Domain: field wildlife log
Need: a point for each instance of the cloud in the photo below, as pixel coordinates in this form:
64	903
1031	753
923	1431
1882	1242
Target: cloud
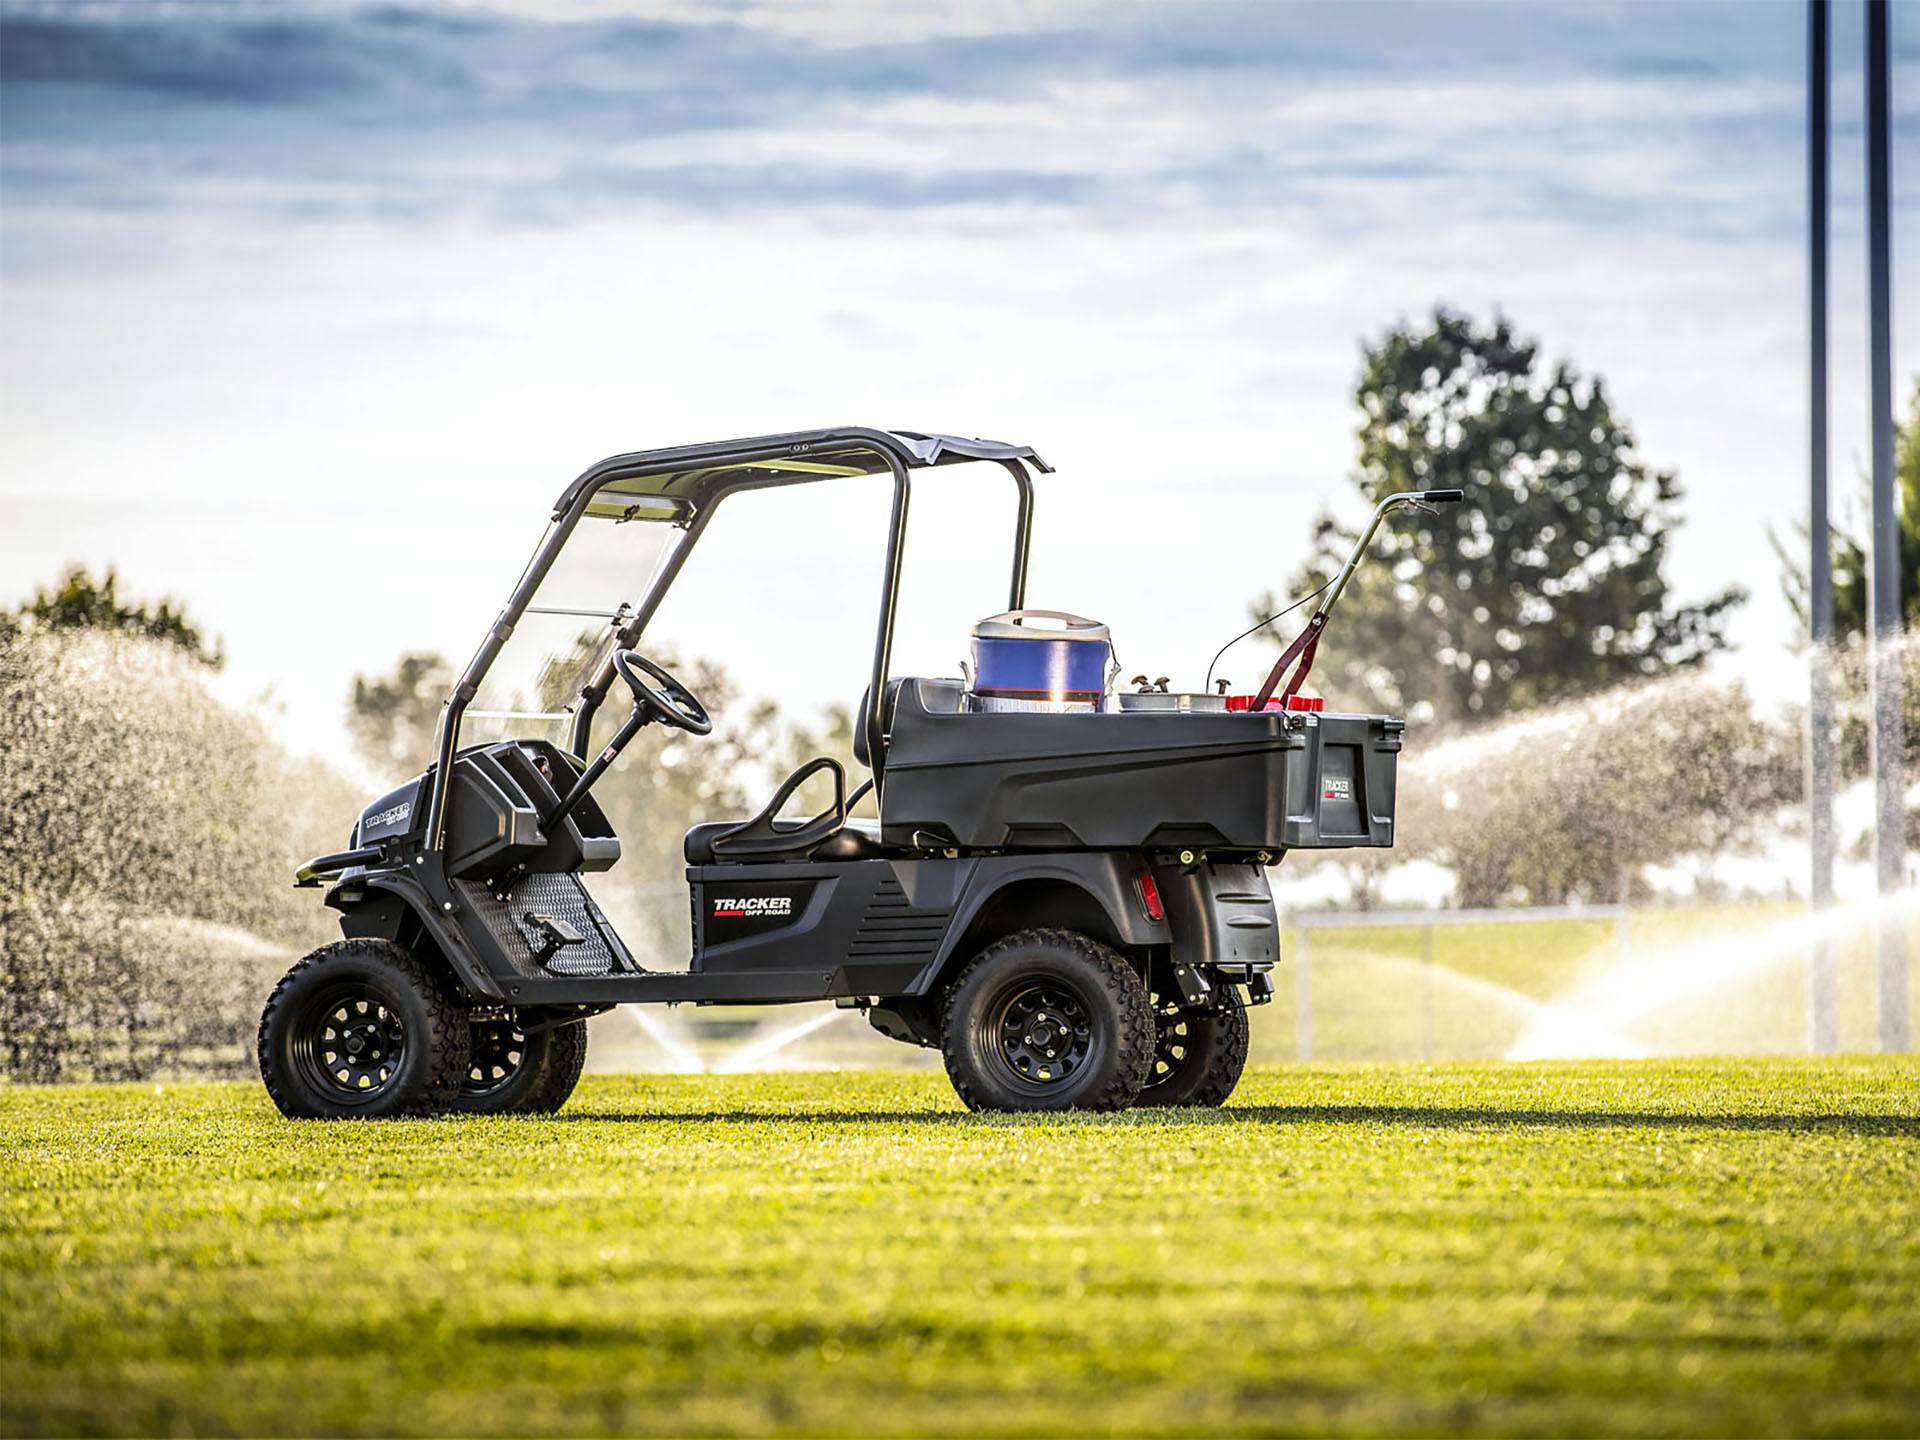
183	89
290	61
405	115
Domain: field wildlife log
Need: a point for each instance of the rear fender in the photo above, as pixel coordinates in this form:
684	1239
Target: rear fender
1094	893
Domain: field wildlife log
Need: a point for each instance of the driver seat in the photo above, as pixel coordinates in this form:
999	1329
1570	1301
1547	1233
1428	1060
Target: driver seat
766	838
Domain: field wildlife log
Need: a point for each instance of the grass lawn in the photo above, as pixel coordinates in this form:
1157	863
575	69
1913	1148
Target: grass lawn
1705	1246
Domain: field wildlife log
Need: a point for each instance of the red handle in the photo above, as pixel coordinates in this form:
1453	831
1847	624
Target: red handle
1303	646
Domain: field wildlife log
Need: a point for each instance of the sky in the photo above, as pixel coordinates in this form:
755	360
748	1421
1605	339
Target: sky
307	312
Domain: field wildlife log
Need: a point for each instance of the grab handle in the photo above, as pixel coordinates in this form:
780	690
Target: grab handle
1020	617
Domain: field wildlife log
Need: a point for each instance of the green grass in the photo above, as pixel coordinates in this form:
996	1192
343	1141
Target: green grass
1710	1247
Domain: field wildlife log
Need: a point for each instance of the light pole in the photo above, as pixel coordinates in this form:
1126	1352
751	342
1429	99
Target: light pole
1823	1031
1887	742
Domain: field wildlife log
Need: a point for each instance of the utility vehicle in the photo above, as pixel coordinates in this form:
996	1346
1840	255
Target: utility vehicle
1072	907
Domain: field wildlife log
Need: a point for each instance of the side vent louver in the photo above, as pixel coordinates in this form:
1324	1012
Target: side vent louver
894	929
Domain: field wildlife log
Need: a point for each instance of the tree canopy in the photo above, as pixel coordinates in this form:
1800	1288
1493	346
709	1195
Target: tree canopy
80	602
393	719
1548	582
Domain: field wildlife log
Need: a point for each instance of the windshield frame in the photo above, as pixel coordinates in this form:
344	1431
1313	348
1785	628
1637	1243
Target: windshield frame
707	476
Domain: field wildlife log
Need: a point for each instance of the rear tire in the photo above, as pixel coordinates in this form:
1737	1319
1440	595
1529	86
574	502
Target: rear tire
360	1029
512	1072
1197	1055
1047	1020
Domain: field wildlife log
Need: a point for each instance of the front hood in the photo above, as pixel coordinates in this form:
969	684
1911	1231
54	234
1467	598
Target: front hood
394	813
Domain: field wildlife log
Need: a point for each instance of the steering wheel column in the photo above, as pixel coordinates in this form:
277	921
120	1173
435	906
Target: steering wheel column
666	701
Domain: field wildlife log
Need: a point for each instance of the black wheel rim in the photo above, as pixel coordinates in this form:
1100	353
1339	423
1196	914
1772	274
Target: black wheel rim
499	1049
1041	1034
1172	1040
350	1044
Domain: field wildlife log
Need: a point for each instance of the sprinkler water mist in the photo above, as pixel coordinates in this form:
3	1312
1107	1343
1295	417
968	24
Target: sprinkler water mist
1308	640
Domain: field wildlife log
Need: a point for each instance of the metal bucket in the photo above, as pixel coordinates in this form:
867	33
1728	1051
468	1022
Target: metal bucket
1059	666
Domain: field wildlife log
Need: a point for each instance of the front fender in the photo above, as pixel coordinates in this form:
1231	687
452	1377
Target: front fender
394	906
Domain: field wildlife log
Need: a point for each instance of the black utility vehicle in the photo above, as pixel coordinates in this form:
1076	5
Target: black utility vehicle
1072	907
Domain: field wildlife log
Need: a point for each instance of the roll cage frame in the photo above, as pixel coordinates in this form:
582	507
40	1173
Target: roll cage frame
684	486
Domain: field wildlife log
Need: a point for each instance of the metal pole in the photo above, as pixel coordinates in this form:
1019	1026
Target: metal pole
1022	534
1889	837
874	718
1822	978
1303	1022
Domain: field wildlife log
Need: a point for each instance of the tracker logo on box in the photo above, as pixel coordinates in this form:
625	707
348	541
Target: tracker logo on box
1338	787
755	907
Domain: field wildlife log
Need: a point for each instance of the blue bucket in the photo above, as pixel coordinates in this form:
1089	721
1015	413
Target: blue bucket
1058	664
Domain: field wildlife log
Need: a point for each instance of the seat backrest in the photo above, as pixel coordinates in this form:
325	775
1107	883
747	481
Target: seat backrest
861	750
942	695
764	834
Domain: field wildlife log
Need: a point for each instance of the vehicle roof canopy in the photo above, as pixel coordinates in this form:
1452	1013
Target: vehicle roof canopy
670	484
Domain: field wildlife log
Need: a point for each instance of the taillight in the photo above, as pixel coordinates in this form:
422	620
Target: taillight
1149	896
1292	702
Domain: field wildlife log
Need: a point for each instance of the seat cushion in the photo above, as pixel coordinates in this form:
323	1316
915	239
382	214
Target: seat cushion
856	840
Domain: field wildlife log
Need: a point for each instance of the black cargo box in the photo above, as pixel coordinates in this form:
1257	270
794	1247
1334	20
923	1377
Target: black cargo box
1133	780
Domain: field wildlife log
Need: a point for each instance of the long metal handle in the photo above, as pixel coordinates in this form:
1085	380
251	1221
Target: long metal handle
1307	641
1392	502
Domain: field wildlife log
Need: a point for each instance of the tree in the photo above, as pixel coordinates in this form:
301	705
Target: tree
1547	582
393	719
81	602
1850	560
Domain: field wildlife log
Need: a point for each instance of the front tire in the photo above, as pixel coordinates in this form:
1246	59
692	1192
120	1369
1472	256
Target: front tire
360	1029
1198	1055
1047	1020
511	1071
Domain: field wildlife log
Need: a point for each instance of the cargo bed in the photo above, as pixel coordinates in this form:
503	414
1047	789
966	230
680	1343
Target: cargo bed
1133	780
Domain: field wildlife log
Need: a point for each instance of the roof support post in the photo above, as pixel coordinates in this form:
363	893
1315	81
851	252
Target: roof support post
874	720
1022	535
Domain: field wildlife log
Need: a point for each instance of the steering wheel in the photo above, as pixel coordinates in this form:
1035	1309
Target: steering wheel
672	703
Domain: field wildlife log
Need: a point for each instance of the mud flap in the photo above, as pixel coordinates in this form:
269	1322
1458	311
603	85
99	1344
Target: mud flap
1221	915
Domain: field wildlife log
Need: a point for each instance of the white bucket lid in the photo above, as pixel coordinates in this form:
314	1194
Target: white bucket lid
1017	625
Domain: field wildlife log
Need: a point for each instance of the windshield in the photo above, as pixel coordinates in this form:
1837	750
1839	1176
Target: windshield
600	576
